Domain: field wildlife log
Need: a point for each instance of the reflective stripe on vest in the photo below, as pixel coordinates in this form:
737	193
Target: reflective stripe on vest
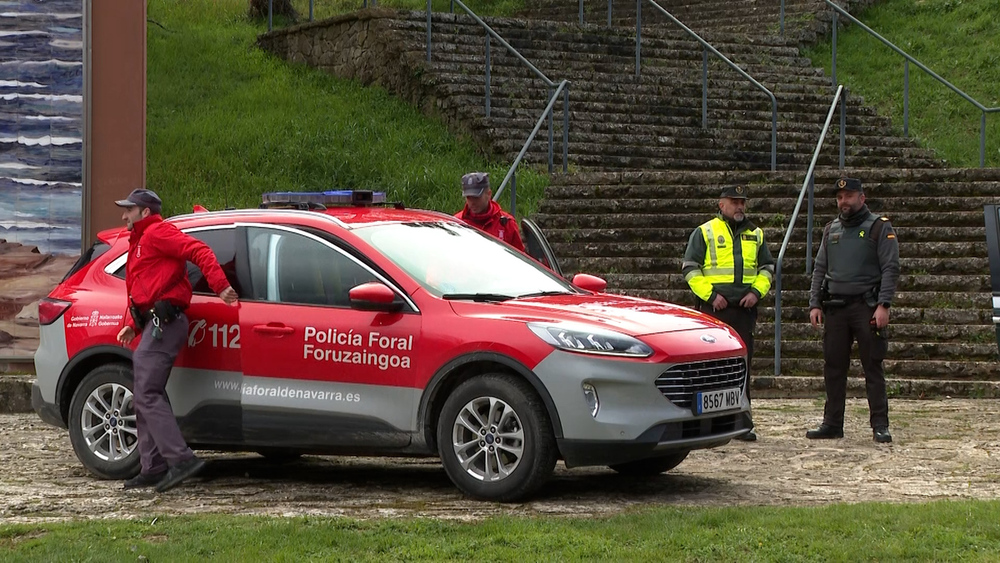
720	261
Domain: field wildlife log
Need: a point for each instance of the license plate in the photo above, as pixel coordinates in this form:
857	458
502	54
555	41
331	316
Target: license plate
718	400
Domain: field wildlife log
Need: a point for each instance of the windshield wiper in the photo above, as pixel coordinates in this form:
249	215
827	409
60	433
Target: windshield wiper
544	293
480	297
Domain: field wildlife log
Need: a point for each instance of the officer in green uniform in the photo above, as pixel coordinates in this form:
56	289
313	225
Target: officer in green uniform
853	284
729	268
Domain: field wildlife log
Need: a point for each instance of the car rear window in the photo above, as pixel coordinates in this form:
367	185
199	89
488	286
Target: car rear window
92	253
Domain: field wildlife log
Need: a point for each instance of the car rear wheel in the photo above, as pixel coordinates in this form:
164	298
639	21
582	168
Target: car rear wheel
102	424
651	466
495	438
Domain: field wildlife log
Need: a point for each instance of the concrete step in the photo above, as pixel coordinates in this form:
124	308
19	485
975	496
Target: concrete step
900	206
565	187
933	180
691	220
676	247
978	301
901	332
797	280
677	120
663	265
774	235
746	160
952	370
677	128
898	350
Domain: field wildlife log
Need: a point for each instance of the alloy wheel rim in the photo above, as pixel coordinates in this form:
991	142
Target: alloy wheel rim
488	439
108	423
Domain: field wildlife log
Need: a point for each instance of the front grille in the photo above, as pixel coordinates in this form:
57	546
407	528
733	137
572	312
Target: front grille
682	381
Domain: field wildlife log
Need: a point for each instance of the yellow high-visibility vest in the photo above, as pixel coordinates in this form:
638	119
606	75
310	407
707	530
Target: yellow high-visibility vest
719	264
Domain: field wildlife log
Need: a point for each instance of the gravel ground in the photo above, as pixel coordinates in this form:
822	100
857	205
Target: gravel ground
945	448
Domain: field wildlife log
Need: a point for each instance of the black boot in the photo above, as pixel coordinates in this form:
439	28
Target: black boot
144	480
181	471
825	432
881	435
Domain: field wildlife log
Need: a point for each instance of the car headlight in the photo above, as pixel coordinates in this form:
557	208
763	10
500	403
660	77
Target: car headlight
590	340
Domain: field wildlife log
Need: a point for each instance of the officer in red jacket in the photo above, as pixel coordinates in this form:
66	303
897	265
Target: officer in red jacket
159	292
485	214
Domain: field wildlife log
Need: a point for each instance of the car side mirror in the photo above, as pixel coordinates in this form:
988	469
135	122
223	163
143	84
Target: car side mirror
590	283
374	296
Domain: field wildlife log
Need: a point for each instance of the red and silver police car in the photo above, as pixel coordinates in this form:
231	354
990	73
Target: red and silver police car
376	330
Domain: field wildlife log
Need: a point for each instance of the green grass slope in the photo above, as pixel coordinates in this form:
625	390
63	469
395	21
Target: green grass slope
227	122
957	39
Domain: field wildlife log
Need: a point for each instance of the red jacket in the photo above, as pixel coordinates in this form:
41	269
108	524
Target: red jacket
158	253
496	222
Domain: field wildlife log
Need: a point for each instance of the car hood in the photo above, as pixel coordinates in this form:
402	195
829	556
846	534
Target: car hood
629	315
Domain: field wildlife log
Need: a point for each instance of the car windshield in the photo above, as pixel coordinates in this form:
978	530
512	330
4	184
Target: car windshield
458	262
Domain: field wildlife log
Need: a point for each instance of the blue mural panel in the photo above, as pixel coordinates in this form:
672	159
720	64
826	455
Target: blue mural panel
41	151
41	123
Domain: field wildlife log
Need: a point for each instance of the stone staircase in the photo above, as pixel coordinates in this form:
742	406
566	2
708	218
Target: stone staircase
619	121
805	20
632	228
646	173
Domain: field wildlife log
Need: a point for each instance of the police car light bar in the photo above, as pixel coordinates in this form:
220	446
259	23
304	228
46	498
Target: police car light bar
310	200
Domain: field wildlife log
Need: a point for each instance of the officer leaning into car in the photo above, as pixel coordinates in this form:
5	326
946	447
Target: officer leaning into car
729	268
853	283
159	292
483	213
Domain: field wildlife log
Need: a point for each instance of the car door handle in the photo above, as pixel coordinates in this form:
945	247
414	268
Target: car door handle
273	329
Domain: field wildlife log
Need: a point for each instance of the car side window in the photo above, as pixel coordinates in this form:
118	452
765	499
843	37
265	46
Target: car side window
223	245
290	267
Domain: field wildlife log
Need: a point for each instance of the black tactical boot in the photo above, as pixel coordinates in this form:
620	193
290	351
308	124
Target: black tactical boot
881	435
825	432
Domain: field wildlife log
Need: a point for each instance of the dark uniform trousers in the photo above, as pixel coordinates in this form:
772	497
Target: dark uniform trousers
160	440
743	321
844	325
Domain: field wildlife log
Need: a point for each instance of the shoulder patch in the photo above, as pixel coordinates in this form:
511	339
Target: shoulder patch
884	218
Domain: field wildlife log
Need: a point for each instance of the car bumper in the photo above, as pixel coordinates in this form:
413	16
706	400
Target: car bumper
48	412
662	439
634	420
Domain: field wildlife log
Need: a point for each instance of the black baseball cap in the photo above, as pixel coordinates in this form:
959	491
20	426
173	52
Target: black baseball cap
142	198
475	183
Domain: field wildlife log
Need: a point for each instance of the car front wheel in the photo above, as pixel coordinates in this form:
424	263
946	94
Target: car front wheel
102	424
651	466
495	438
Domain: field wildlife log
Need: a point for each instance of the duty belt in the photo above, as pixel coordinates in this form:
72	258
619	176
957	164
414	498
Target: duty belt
161	313
848	298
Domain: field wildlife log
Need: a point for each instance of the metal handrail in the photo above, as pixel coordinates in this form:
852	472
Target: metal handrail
906	75
270	11
546	113
610	2
704	77
490	33
807	185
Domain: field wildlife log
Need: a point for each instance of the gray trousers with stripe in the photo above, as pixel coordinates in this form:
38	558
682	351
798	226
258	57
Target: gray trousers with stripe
160	441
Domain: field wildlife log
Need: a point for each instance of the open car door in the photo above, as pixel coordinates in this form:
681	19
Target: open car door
993	250
537	247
